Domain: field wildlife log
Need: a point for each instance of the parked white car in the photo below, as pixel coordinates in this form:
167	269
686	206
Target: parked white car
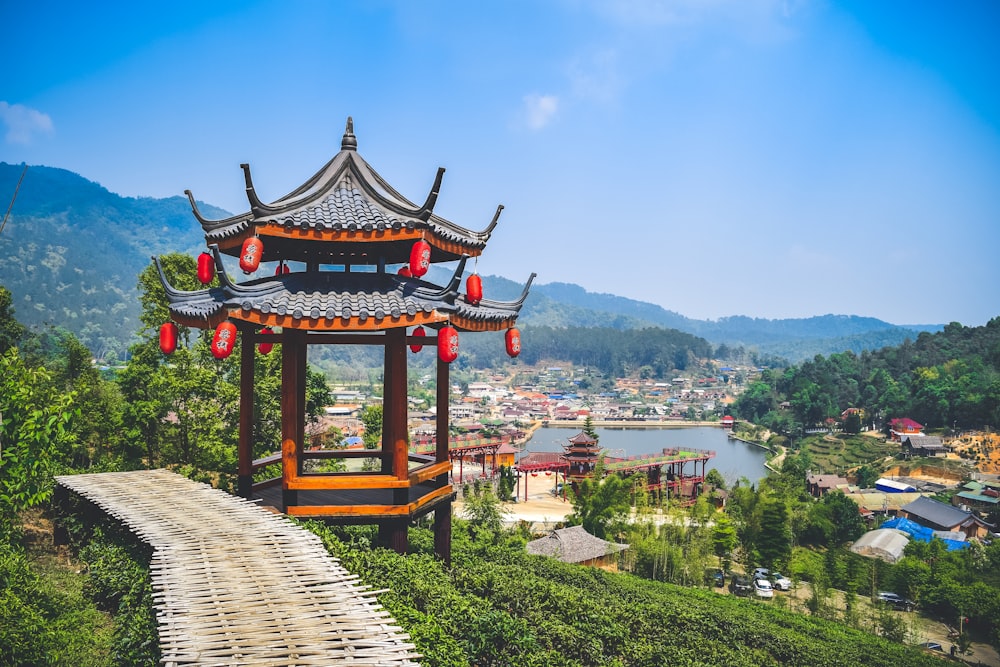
781	582
762	587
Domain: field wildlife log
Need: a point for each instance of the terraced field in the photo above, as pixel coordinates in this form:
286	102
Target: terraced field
833	453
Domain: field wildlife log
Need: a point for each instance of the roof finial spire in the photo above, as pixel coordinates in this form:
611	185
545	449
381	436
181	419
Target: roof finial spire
349	142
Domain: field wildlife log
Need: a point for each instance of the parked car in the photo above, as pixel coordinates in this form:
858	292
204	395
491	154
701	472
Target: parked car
781	582
740	586
762	572
932	646
719	578
897	602
762	587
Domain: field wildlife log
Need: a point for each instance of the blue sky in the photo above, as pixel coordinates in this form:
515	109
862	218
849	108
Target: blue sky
716	157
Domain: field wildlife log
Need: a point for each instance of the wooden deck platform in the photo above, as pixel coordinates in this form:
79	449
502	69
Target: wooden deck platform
234	584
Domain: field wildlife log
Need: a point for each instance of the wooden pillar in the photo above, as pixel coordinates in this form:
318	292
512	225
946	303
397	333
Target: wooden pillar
442	533
395	404
443	398
292	354
395	449
442	515
244	447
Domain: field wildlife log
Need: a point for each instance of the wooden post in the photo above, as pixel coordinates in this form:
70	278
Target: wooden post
395	449
442	515
244	447
290	429
395	404
442	533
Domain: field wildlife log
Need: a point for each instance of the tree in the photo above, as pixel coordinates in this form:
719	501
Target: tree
11	330
588	428
845	517
715	478
774	540
866	476
371	417
34	431
852	424
484	511
600	504
724	540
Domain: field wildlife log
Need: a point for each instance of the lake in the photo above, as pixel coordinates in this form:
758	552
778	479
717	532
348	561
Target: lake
734	459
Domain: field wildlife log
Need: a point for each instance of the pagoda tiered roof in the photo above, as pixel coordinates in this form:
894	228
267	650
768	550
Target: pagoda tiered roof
337	300
351	220
346	213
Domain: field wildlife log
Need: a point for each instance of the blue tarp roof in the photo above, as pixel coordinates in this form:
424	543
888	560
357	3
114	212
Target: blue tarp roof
921	533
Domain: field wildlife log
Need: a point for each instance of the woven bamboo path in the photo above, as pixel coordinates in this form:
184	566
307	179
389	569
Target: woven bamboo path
234	584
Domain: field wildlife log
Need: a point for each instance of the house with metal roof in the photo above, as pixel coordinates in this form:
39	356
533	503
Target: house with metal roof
978	494
940	516
904	426
922	445
819	485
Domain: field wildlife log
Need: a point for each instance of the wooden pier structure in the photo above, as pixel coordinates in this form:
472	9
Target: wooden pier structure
664	472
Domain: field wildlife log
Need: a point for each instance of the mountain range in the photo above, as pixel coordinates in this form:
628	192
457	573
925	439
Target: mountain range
71	253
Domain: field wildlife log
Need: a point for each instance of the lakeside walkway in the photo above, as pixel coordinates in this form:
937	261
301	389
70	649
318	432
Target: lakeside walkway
235	584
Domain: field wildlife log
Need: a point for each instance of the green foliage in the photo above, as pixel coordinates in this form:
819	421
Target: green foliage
45	620
724	539
714	478
33	435
945	379
371	417
484	511
499	606
600	504
774	538
612	351
118	581
11	330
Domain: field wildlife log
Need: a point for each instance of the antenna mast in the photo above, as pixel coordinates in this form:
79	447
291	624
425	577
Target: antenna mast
7	214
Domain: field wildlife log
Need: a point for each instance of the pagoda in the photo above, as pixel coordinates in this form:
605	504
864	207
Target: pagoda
350	256
582	454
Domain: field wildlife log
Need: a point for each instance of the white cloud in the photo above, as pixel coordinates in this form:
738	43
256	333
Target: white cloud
597	77
23	123
540	110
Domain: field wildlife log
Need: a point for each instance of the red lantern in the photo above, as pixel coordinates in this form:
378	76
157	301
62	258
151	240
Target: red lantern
206	268
168	337
281	268
404	271
419	331
420	258
447	344
513	340
264	348
474	289
223	340
250	255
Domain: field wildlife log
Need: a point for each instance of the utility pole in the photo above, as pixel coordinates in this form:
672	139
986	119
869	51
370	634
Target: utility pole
7	214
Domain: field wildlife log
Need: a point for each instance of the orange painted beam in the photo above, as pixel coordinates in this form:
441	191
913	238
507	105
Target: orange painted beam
320	482
424	473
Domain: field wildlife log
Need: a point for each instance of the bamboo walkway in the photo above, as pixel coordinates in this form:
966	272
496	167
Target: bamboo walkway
234	584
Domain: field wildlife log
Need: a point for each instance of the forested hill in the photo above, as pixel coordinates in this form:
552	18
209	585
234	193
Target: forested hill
945	379
72	252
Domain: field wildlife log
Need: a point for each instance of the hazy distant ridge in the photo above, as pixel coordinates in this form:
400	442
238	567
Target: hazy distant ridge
72	251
